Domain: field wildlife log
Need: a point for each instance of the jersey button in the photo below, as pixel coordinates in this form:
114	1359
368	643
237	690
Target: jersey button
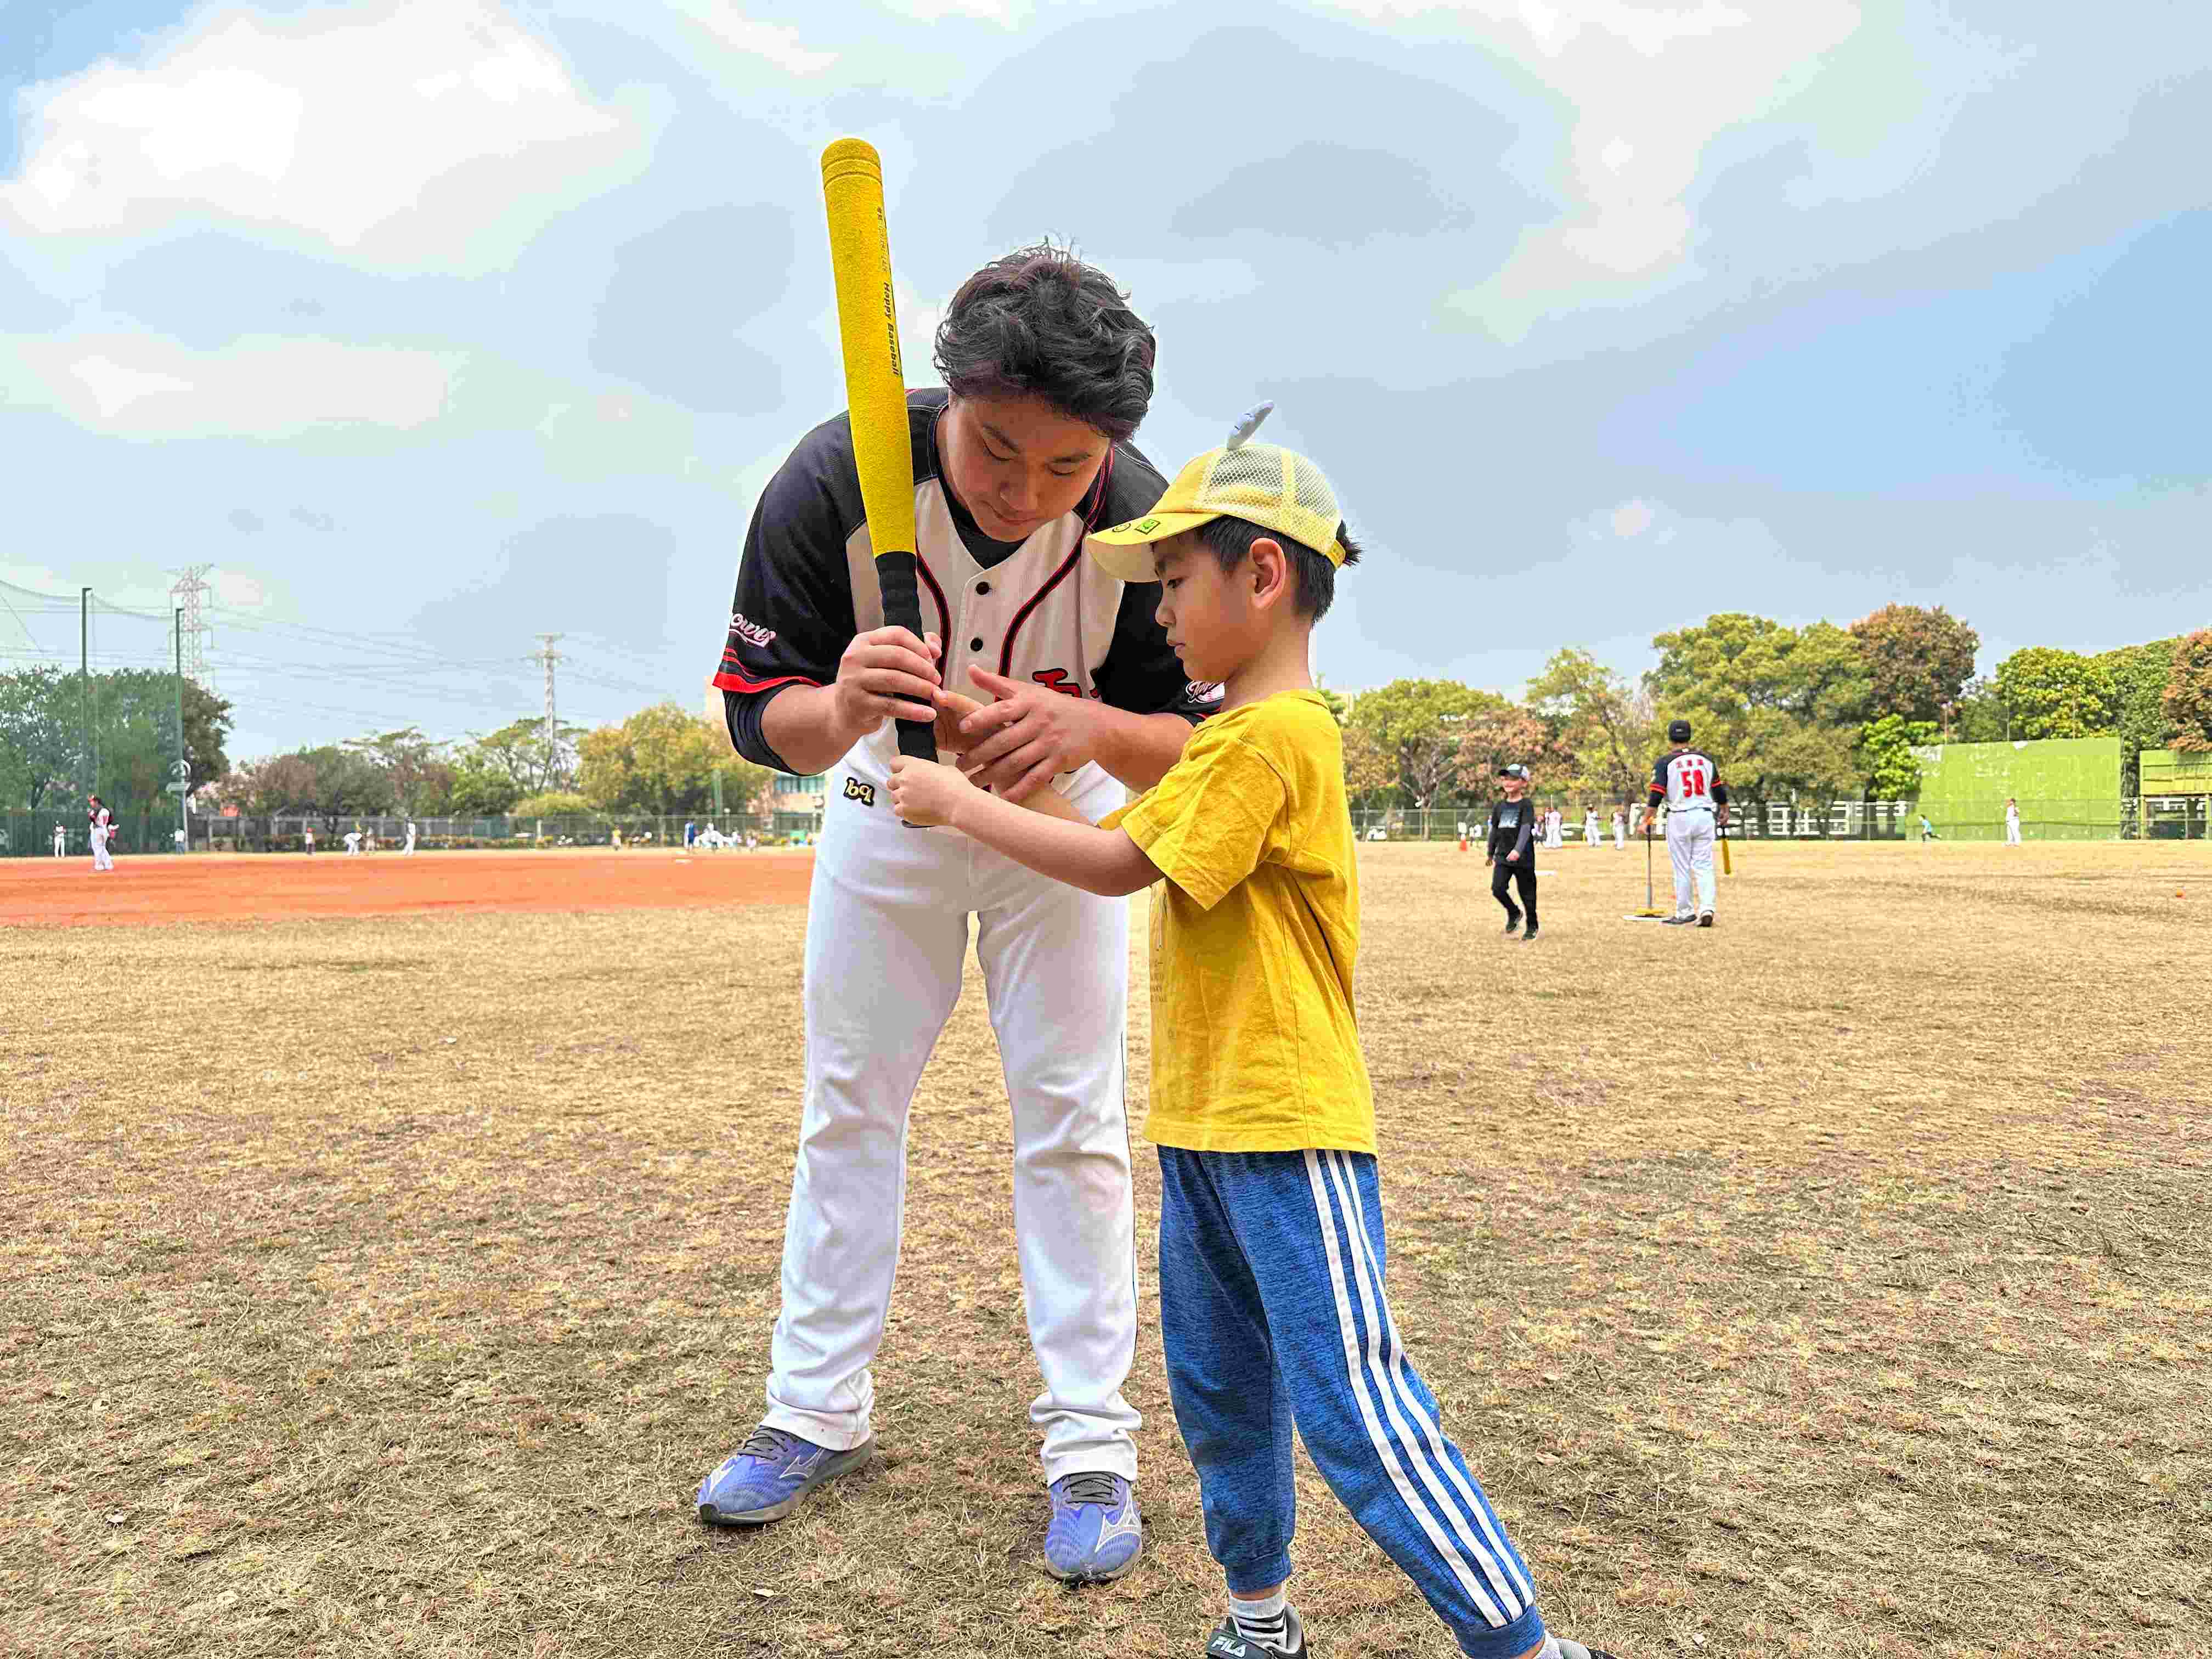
975	645
982	587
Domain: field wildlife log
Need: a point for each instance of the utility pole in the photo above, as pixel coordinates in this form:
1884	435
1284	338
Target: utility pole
545	653
188	592
84	687
183	770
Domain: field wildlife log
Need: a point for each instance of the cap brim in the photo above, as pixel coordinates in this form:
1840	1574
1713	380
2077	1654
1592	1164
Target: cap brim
1125	550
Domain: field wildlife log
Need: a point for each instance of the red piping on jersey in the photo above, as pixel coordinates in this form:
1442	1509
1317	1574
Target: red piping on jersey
1096	505
943	615
730	680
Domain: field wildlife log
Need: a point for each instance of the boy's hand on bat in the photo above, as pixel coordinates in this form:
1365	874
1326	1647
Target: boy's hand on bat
952	710
927	792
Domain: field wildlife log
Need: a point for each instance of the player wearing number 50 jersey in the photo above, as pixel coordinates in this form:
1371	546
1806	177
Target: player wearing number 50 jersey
1047	374
1687	782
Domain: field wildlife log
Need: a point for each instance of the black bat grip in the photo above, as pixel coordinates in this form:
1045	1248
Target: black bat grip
894	577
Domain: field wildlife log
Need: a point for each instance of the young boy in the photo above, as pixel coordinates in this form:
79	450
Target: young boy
1513	850
1271	1227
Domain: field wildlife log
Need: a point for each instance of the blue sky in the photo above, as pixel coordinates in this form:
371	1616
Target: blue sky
436	325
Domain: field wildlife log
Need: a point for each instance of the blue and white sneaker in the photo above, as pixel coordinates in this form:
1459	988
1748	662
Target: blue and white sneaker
1096	1533
765	1477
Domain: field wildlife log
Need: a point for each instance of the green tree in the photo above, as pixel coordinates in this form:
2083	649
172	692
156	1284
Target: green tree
480	787
553	803
2140	673
1608	726
1369	775
1917	659
332	783
2056	694
416	766
1493	738
2188	699
40	743
665	759
1886	759
1339	705
1778	708
1414	724
1978	714
519	752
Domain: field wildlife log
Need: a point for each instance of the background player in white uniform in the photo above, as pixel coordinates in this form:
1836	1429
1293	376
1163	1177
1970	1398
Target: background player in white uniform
2012	822
353	841
1688	784
1050	372
61	841
408	849
1619	830
100	825
1593	834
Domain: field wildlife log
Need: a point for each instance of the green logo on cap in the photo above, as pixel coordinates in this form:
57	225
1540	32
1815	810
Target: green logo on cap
1145	526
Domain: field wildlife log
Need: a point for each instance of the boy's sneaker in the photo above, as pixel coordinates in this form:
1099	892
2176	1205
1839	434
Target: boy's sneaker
1095	1533
764	1478
1227	1641
1705	919
1529	938
1513	928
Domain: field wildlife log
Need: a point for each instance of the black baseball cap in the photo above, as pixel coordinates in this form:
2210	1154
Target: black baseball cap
1513	772
1678	731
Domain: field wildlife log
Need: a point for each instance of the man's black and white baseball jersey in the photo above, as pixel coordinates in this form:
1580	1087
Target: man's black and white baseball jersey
1687	780
1035	610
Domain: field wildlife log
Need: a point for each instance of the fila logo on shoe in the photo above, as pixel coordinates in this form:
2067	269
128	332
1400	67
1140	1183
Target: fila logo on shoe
1229	1647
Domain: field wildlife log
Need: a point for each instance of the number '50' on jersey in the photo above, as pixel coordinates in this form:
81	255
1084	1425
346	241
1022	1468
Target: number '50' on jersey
1687	780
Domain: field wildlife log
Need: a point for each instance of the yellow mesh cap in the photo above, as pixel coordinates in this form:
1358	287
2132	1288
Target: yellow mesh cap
1265	484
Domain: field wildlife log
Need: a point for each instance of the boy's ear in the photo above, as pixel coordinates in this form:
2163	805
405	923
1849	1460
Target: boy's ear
1271	571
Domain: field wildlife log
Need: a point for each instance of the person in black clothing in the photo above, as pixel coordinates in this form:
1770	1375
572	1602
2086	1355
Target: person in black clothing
1512	852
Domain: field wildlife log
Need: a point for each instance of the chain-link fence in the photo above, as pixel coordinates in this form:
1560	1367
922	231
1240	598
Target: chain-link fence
2176	817
149	829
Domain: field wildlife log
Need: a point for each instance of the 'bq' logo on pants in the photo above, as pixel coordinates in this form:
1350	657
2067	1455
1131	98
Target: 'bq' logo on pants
863	793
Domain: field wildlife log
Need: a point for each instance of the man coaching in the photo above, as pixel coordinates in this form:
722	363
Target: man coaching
1049	374
1687	782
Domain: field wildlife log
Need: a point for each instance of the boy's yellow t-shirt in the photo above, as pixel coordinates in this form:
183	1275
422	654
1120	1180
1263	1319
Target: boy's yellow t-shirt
1254	936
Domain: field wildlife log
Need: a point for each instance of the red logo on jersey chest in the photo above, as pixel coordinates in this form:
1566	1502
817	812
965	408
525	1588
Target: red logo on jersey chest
1055	679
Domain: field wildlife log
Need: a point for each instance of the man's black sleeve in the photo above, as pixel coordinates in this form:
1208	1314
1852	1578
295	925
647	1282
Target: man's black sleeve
1658	797
792	616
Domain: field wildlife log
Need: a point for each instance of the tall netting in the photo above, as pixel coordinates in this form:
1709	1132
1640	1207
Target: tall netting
89	701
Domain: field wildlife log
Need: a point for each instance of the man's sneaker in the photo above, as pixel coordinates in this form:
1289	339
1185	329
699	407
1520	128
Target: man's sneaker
1706	920
1679	921
1095	1533
1227	1641
765	1477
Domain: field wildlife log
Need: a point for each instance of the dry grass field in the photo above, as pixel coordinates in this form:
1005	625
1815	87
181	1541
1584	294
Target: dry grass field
1835	1283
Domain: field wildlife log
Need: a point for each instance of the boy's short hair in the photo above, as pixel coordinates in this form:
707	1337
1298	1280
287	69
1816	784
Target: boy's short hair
1041	323
1230	539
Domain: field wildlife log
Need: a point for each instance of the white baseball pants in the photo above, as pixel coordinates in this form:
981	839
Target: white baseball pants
886	939
1690	850
100	858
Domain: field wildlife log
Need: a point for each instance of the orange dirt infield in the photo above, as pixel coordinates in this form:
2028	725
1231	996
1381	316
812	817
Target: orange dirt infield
152	889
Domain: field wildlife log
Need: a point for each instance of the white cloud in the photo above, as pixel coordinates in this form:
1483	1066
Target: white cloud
419	133
775	43
238	590
1631	519
1653	85
141	386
